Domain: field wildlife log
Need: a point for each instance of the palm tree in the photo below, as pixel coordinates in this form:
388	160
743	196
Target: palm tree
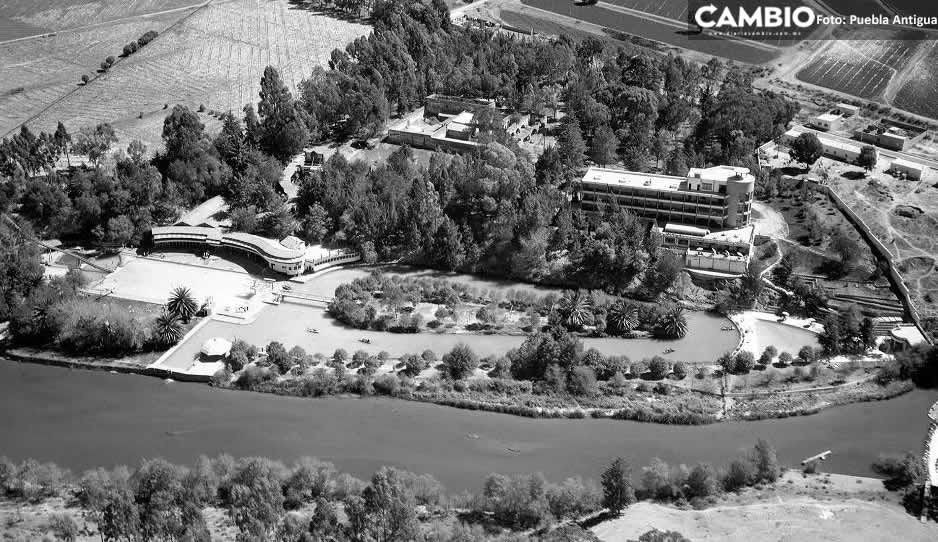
574	308
623	317
672	324
167	329
181	304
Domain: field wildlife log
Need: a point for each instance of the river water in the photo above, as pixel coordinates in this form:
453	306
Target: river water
82	419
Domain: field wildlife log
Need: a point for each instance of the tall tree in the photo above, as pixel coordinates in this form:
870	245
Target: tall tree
283	133
618	493
182	134
63	140
604	145
571	145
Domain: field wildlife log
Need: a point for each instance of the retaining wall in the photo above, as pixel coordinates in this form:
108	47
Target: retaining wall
882	253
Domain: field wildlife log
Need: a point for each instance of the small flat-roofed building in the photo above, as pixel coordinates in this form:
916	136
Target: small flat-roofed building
911	170
726	251
848	110
826	121
832	147
891	134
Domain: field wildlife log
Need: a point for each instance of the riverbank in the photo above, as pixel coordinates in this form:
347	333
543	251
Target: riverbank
85	419
820	507
661	402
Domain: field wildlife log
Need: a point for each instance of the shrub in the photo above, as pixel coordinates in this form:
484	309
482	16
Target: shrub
768	355
221	378
582	381
278	357
785	359
85	79
637	369
900	471
658	368
744	362
679	370
64	527
727	362
252	377
387	384
320	383
765	461
807	354
460	362
702	482
738	475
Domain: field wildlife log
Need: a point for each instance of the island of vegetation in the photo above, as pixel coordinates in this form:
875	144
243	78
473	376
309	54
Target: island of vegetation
498	211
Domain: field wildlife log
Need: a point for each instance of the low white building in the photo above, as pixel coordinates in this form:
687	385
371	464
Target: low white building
832	147
826	121
911	170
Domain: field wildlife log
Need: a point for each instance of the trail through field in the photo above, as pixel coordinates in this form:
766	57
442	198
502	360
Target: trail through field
109	23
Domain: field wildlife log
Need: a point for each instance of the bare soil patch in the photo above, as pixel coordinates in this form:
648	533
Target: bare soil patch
817	507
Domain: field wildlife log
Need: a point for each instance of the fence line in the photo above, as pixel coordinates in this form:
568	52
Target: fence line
881	252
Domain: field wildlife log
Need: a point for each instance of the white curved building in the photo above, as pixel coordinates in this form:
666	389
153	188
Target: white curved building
288	256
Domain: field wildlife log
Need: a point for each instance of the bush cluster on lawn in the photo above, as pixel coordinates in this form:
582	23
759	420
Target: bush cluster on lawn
56	314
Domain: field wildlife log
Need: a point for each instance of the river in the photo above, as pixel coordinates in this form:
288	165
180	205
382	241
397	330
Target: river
81	419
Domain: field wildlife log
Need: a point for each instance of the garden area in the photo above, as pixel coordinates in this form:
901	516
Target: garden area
410	305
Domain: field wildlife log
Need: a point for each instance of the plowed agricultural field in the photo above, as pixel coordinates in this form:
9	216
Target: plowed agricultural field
920	93
213	55
62	14
39	71
862	67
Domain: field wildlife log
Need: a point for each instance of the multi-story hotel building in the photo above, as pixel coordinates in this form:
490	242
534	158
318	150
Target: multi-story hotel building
718	197
705	216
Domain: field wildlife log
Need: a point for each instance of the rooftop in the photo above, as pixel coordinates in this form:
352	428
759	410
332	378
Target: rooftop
908	164
829	117
633	179
720	173
741	235
466	117
827	141
212	212
908	334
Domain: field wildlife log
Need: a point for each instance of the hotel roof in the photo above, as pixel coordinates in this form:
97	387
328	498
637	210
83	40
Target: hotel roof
648	181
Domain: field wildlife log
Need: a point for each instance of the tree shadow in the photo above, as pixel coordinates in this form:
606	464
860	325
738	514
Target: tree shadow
332	12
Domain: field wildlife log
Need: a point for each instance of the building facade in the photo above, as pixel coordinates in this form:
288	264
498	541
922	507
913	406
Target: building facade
704	217
283	257
719	197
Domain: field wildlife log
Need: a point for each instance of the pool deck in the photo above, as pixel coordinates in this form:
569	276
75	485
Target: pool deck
748	323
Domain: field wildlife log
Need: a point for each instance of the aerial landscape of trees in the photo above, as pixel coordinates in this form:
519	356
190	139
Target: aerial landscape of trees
311	500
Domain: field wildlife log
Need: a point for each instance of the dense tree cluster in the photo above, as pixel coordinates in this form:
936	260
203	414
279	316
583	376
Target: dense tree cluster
847	332
312	501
